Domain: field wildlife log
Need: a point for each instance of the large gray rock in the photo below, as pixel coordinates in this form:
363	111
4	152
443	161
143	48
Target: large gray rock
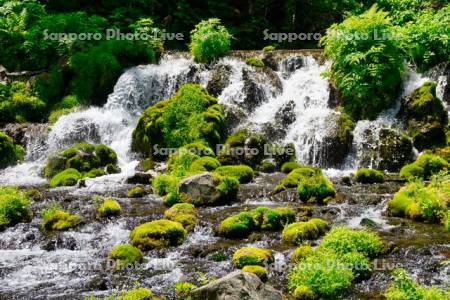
237	285
202	189
220	79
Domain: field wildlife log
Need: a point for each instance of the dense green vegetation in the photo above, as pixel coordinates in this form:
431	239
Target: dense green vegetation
10	153
14	207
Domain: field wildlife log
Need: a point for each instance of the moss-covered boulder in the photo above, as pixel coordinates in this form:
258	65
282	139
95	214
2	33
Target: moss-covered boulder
254	62
183	213
108	208
67	177
424	167
289	166
300	253
260	218
365	175
266	166
422	202
14	207
123	255
310	182
251	256
135	192
56	219
190	115
243	173
298	232
10	153
208	189
157	234
259	271
303	292
426	117
87	159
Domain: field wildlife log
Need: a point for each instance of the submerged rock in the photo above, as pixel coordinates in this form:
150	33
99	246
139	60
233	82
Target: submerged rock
237	285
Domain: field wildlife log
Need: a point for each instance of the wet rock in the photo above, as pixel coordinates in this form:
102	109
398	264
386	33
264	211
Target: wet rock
233	116
22	133
285	116
220	79
140	178
270	60
290	65
201	189
366	222
259	85
237	285
334	99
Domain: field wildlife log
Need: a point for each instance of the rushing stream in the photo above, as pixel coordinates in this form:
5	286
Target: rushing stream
70	264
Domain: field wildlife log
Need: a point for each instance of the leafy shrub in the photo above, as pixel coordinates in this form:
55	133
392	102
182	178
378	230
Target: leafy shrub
56	219
157	234
343	240
251	256
209	40
404	287
298	232
419	202
165	184
109	207
367	71
369	176
10	153
325	275
14	206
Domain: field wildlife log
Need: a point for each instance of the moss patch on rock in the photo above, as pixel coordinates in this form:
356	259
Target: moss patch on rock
10	153
297	233
259	271
424	167
135	192
108	208
190	115
183	213
243	173
252	256
87	159
261	218
56	219
365	175
123	255
157	234
254	62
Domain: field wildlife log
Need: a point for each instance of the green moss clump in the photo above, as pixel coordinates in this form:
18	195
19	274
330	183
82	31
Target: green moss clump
10	153
55	219
369	176
165	184
329	277
124	255
183	289
359	264
68	177
135	192
157	234
268	49
183	213
303	292
204	164
261	218
171	199
259	271
251	256
298	232
404	287
424	167
237	226
209	40
137	294
56	114
423	203
343	240
191	115
87	159
346	126
255	62
289	166
109	207
301	252
315	188
266	166
228	188
14	207
296	175
244	174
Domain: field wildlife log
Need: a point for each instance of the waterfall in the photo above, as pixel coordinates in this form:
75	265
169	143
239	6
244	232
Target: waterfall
289	105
